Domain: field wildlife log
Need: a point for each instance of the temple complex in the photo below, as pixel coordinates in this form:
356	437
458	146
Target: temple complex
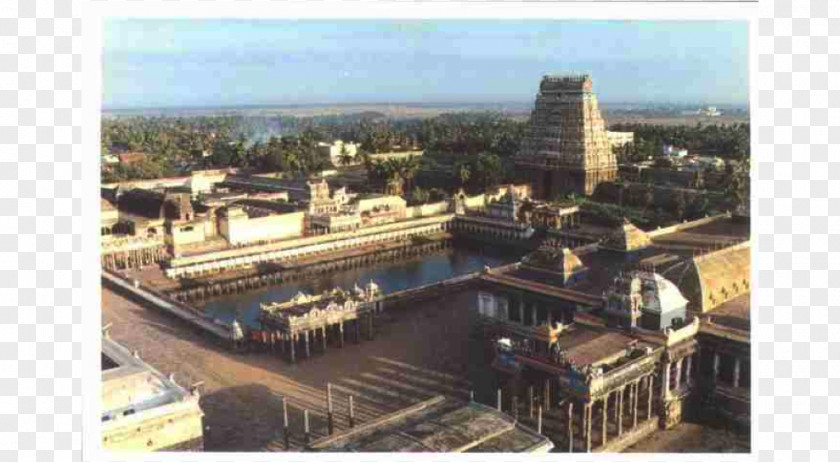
607	340
566	149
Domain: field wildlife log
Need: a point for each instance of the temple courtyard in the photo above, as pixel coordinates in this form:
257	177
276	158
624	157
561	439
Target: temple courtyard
431	349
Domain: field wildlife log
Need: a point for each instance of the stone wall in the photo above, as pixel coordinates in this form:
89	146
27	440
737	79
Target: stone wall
169	427
239	229
426	210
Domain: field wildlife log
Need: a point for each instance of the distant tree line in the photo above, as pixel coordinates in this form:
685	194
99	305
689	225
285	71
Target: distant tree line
176	145
726	141
476	149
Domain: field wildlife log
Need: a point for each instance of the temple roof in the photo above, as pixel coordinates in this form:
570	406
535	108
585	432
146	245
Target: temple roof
142	203
627	237
554	259
654	292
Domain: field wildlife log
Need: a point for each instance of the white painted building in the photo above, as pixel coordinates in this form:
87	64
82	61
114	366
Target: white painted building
335	151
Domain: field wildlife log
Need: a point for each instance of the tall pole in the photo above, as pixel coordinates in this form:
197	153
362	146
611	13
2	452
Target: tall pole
306	427
285	425
350	416
539	420
531	401
547	402
499	400
571	427
329	409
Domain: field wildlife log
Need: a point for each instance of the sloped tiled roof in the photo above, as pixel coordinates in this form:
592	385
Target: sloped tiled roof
626	238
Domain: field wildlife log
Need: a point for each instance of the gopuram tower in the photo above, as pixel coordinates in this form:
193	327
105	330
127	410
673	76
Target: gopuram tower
565	149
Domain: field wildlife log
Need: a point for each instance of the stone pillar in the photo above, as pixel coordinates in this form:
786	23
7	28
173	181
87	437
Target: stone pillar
620	410
370	326
588	415
521	310
531	401
341	334
736	373
534	314
635	403
306	343
324	338
292	339
650	396
615	406
666	381
715	367
582	430
547	397
677	382
604	431
688	369
570	427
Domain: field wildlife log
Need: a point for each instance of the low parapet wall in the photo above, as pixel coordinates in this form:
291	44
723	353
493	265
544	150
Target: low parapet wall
687	225
162	302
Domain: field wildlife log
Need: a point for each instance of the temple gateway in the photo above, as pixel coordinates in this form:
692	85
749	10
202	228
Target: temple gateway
566	149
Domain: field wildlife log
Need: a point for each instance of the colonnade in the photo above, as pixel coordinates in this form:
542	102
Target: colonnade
493	227
736	379
610	415
134	258
245	261
673	379
291	342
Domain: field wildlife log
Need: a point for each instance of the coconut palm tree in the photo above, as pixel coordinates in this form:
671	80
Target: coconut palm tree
344	157
463	172
408	169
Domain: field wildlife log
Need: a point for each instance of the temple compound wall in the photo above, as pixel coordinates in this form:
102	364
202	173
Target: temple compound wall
238	228
566	149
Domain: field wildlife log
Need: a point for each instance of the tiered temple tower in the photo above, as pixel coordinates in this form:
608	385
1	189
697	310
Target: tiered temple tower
566	147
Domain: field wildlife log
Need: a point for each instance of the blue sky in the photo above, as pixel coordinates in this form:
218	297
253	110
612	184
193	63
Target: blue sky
220	62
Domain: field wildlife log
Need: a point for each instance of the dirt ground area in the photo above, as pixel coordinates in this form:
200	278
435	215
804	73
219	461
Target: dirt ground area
695	438
416	354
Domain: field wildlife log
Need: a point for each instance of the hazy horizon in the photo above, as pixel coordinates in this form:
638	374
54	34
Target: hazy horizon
208	64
